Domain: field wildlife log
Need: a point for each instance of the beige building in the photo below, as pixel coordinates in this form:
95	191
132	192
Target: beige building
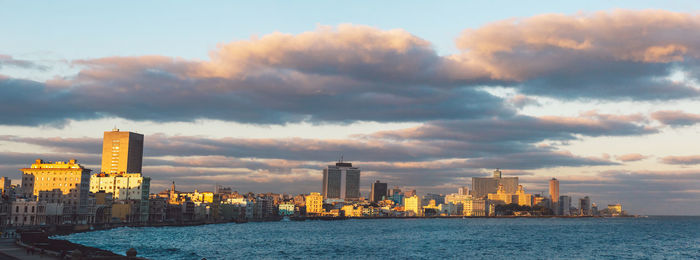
66	183
314	203
124	187
127	186
475	207
413	206
122	152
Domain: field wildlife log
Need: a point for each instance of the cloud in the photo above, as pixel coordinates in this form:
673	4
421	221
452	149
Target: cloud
683	160
605	55
676	118
6	60
350	73
526	129
521	101
632	157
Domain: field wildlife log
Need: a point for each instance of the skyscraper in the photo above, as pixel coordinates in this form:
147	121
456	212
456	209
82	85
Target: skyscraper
483	186
554	190
378	191
554	195
122	152
341	181
584	206
564	205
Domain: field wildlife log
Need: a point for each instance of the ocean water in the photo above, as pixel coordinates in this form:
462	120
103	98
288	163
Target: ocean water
487	238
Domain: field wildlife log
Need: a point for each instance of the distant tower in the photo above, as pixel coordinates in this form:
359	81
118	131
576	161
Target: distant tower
378	191
497	174
341	181
122	152
554	195
554	190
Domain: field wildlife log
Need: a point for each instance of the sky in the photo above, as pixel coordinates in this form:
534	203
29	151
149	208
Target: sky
261	96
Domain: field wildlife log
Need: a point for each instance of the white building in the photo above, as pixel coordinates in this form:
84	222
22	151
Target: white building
124	186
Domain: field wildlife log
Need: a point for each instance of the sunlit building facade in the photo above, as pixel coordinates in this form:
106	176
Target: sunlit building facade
314	203
122	152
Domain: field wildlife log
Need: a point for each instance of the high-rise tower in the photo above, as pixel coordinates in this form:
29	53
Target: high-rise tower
341	181
122	152
554	190
378	191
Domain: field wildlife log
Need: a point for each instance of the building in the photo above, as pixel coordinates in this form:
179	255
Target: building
413	206
122	152
554	195
475	208
341	181
5	185
584	206
59	182
564	205
501	197
314	203
378	191
463	190
615	209
524	199
286	209
438	198
124	186
25	212
483	186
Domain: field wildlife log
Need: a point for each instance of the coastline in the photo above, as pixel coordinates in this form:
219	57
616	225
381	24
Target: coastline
49	241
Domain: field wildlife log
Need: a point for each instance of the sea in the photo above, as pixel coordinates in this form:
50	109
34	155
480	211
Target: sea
437	238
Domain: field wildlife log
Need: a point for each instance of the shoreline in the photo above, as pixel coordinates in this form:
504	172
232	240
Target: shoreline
48	241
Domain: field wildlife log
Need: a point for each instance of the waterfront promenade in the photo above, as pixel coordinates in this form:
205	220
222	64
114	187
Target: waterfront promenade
10	250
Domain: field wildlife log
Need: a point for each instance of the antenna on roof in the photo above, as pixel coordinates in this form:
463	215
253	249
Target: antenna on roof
341	158
115	129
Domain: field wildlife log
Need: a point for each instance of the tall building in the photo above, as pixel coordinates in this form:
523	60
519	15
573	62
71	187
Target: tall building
554	195
341	181
564	205
481	187
58	182
378	191
584	206
122	152
314	203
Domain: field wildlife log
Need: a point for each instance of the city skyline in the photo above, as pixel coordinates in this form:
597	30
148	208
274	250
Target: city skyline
602	97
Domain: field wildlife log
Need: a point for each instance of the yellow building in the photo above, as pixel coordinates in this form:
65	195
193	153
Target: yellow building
314	203
501	197
65	183
352	210
524	199
122	152
69	180
615	208
413	206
